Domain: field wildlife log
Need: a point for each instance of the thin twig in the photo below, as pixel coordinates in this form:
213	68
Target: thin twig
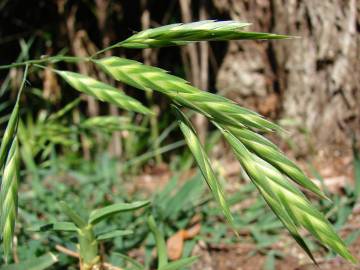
67	251
74	254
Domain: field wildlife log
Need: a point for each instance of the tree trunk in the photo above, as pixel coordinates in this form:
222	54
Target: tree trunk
313	80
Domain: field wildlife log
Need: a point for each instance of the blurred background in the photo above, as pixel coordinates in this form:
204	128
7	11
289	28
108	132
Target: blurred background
309	85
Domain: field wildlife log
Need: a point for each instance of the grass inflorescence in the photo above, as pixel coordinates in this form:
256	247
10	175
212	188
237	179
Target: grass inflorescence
268	168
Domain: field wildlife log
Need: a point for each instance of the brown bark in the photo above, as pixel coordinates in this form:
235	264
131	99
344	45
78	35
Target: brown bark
313	80
195	58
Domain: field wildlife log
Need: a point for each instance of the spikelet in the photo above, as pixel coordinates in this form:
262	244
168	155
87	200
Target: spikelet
182	34
102	91
9	134
270	152
8	197
204	163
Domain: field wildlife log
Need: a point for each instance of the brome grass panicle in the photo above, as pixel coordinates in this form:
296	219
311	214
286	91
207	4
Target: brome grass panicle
263	162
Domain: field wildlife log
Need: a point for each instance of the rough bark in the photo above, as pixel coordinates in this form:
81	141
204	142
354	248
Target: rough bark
314	80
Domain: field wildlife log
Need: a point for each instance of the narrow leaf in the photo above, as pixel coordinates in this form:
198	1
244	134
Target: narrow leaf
100	214
75	217
134	263
113	234
179	264
54	226
160	242
39	263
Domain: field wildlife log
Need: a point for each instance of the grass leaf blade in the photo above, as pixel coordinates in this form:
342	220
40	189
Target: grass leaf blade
99	214
160	242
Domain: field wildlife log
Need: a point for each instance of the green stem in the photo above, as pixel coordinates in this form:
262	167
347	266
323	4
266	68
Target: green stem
50	59
22	84
88	248
104	50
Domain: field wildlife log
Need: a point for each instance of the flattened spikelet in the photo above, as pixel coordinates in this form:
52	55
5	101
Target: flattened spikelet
182	34
8	197
102	91
270	152
9	134
204	163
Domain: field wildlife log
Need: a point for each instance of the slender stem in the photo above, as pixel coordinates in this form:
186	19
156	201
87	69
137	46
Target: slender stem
60	58
26	71
88	248
50	59
105	50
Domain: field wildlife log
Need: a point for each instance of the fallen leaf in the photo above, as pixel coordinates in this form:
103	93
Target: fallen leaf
175	245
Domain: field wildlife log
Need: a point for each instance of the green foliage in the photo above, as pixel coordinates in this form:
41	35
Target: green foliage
38	263
98	215
160	242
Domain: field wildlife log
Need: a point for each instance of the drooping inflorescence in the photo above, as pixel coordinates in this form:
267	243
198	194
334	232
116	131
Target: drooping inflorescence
264	163
261	159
